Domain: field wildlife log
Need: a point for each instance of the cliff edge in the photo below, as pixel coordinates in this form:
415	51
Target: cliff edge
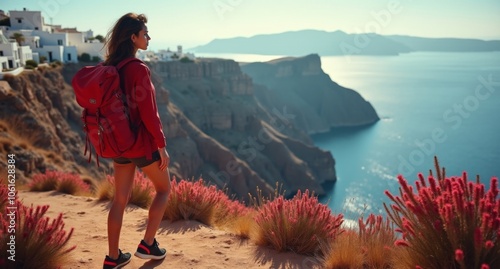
300	85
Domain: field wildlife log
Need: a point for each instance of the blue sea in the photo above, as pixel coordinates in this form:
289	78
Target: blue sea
443	104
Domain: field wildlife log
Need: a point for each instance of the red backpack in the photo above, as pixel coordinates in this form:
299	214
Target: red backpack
105	114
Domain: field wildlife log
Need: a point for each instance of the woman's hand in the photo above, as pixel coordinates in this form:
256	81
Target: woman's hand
165	159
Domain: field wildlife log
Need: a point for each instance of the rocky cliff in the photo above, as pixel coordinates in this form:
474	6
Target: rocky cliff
301	86
216	127
234	141
40	124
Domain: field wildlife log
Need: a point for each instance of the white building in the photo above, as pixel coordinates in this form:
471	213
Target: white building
5	44
165	55
50	41
26	19
55	43
83	42
9	51
25	53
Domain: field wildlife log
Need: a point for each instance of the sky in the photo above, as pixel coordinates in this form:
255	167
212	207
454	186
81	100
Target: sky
196	22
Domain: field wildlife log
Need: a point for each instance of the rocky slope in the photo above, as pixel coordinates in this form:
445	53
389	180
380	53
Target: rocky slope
40	124
300	86
216	127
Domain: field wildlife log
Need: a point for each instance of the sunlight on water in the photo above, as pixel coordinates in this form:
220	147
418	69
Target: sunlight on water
378	170
413	94
350	224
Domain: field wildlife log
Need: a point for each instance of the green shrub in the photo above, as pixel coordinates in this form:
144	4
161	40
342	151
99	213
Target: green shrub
31	63
85	57
185	60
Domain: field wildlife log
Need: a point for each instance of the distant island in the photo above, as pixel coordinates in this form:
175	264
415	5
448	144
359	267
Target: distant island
304	42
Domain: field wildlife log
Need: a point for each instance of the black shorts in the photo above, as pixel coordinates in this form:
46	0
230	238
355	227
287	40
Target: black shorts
139	162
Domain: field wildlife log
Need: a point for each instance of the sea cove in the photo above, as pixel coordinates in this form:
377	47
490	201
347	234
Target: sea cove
444	104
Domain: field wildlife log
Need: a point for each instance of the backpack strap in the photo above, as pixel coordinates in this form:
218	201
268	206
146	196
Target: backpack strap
88	144
124	62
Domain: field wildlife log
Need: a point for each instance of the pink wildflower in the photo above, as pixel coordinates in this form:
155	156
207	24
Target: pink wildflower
401	243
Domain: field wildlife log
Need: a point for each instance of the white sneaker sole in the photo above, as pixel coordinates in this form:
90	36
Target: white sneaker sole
149	257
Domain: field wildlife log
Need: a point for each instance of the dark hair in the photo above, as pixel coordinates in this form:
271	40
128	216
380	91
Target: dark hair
118	43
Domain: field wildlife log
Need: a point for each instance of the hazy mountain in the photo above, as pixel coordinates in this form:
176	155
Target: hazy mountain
446	44
305	42
299	43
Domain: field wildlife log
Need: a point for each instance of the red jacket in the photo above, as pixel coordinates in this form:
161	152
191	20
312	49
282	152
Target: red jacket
135	78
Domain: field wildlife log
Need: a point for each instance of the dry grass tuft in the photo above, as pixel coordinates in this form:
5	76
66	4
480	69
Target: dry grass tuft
105	189
4	198
234	217
344	253
141	195
243	226
371	247
90	182
142	191
377	239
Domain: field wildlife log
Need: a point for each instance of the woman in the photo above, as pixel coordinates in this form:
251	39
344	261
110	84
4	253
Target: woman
128	35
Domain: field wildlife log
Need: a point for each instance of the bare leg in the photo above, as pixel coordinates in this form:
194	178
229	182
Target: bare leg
161	182
124	179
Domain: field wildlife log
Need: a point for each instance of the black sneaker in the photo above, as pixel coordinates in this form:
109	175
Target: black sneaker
150	252
123	259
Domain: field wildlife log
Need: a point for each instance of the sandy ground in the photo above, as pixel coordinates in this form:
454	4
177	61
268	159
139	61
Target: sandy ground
189	244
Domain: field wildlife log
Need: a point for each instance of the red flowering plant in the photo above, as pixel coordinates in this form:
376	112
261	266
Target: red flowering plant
44	181
193	200
301	224
63	182
39	241
447	222
72	184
